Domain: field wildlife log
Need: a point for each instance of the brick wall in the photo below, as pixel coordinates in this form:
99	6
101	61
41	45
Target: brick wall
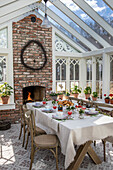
23	31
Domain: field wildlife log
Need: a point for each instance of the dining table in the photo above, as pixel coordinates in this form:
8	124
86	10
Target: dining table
73	131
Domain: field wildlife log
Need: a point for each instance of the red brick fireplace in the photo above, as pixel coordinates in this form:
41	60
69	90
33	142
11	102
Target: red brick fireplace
24	31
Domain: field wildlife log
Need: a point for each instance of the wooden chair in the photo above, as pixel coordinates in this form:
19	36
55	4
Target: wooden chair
37	131
108	139
23	122
42	141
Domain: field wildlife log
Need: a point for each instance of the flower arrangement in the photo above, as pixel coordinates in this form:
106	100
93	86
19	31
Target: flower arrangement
81	113
111	96
106	97
70	108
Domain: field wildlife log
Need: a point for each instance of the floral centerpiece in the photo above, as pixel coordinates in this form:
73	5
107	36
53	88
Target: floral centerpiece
75	91
81	113
107	99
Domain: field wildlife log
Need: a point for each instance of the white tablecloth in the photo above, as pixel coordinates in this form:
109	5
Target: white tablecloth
77	131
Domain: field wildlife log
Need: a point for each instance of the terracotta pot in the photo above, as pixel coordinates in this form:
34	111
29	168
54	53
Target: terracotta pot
106	100
111	101
94	98
87	96
75	95
60	96
5	99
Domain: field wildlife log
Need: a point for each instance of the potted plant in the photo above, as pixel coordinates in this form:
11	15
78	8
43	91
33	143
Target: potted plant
87	92
53	95
111	98
107	99
75	91
5	90
94	96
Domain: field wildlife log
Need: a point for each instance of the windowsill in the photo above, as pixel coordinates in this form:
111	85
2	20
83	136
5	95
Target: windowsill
7	106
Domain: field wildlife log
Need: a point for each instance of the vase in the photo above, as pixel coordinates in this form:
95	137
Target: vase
94	98
111	101
87	96
75	95
106	100
81	116
54	97
5	99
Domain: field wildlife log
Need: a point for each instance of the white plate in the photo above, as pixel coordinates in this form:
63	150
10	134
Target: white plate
62	117
91	113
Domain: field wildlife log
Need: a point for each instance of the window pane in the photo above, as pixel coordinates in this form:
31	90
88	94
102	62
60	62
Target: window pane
111	68
57	71
89	69
63	71
2	69
77	72
3	38
71	71
60	86
99	68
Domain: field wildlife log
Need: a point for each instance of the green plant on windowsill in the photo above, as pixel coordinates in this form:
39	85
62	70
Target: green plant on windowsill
67	94
5	91
45	99
95	94
87	90
76	90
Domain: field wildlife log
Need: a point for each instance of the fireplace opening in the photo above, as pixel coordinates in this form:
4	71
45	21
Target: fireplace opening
33	93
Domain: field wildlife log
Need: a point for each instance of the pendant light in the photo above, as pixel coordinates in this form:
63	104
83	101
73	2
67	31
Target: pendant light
46	23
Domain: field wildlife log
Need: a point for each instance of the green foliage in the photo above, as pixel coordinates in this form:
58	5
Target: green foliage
45	99
67	94
70	108
5	90
76	90
53	102
81	111
87	90
95	94
53	94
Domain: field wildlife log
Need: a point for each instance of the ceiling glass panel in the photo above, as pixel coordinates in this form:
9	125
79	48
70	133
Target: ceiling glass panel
102	9
66	32
75	26
88	20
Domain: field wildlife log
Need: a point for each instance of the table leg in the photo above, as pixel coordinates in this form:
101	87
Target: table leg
80	154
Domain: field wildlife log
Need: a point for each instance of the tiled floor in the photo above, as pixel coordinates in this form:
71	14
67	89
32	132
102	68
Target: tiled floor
14	157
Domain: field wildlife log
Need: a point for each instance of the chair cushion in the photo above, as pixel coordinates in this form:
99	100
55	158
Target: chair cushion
46	141
39	131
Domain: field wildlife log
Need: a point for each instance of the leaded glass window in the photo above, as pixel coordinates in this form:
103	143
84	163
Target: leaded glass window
2	69
3	38
111	74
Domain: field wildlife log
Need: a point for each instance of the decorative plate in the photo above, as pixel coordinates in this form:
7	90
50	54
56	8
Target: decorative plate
62	117
91	113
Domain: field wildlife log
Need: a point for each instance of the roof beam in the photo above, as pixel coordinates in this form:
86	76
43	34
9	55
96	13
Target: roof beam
79	22
6	2
15	6
109	3
68	40
66	26
96	17
65	37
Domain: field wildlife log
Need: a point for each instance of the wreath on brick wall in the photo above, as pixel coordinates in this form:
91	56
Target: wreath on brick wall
34	63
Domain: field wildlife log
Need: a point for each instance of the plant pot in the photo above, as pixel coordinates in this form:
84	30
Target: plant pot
75	95
111	101
94	98
5	99
87	96
60	96
106	100
54	97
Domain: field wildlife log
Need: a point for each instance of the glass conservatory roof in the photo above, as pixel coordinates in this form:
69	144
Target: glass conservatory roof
89	23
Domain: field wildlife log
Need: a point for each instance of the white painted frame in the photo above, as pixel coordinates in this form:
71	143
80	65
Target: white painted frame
8	53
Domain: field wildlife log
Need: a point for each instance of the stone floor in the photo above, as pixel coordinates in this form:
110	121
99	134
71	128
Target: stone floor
14	157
